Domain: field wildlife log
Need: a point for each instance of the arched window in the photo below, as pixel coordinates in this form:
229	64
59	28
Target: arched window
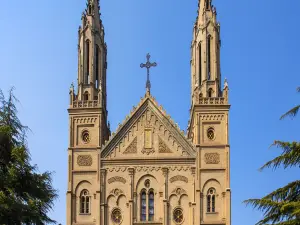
211	200
143	205
85	201
151	206
210	93
87	65
208	57
200	63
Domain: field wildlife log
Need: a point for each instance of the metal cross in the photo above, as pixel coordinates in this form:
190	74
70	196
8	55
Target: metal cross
148	65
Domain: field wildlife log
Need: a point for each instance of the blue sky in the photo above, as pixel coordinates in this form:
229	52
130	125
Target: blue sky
260	59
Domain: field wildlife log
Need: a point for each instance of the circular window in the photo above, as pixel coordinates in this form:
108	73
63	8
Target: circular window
86	136
116	216
178	215
147	183
211	134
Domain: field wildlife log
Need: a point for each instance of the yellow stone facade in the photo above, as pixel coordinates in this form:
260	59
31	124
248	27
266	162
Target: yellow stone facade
149	171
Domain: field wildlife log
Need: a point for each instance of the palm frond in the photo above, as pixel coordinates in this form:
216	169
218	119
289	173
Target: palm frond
289	157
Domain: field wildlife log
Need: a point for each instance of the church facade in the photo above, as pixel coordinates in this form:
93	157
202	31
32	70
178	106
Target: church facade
149	171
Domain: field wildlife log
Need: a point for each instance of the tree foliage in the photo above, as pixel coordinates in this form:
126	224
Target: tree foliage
26	196
282	206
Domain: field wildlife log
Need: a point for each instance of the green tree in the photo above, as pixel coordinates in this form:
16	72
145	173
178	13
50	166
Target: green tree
282	206
26	196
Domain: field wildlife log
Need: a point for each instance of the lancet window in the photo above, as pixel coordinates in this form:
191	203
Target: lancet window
147	206
211	200
85	202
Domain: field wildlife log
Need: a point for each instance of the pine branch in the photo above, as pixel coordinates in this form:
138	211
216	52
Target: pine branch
292	113
288	193
289	157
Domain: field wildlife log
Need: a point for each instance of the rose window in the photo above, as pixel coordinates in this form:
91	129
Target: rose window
116	216
178	216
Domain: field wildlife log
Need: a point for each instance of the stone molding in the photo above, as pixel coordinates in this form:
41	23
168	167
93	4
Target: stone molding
179	178
116	179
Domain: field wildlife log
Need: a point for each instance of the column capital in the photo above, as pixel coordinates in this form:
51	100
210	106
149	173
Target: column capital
165	171
131	171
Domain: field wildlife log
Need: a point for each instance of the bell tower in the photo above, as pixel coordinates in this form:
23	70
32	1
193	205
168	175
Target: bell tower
209	117
88	124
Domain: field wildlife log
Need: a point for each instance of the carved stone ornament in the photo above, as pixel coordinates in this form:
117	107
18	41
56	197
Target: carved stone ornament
179	178
148	151
178	191
116	179
84	160
162	147
116	192
212	158
132	148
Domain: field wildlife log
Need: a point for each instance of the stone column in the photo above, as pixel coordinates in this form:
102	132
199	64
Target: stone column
228	206
201	207
166	199
103	207
135	206
131	200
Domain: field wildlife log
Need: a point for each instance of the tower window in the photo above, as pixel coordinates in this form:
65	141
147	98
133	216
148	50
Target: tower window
200	63
97	66
87	46
208	57
143	206
207	4
211	200
85	201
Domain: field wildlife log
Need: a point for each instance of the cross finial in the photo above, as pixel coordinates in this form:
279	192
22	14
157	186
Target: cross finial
148	65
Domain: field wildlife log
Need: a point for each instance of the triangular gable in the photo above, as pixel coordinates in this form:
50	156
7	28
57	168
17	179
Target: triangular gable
148	132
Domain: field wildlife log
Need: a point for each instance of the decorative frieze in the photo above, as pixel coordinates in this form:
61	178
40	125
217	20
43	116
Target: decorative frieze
116	179
84	160
212	158
179	178
85	120
211	117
